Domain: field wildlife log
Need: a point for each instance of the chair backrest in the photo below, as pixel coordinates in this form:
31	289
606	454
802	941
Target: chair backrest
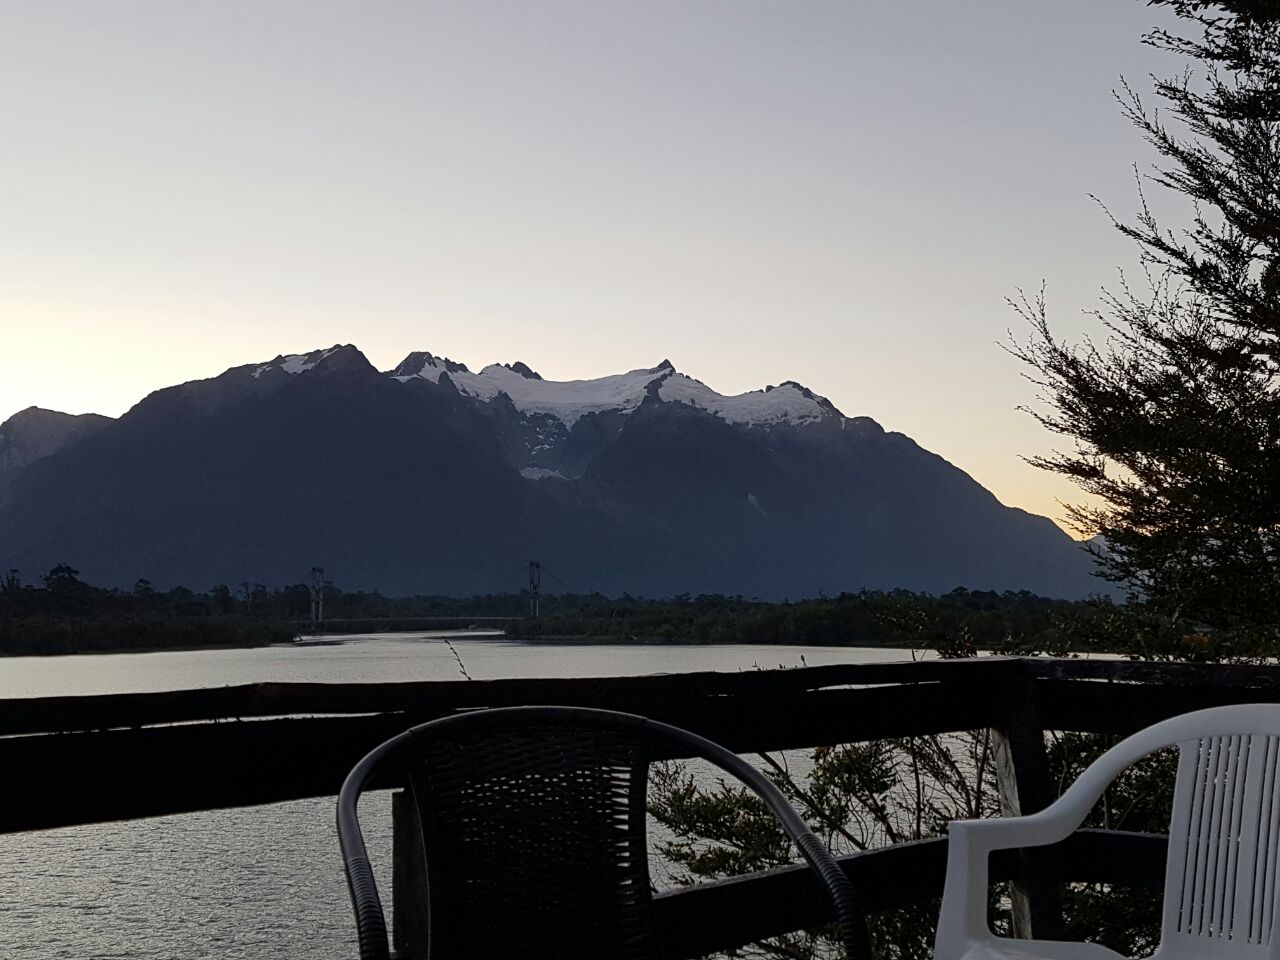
533	824
534	841
1221	885
1224	847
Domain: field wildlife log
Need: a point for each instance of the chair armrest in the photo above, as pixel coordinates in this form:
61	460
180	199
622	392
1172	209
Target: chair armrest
1051	825
371	925
970	842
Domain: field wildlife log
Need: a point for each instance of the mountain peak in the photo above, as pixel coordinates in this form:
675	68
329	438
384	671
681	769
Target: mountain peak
207	396
41	419
339	356
524	370
31	414
808	394
34	433
426	366
569	400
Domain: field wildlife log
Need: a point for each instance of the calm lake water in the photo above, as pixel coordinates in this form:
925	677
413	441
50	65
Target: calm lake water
264	881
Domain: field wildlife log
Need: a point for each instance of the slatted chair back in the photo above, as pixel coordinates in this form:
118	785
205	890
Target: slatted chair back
1224	848
533	825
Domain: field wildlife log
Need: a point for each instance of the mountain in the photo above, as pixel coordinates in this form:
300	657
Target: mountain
431	478
34	433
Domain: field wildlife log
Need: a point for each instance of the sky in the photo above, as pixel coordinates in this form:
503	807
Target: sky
838	193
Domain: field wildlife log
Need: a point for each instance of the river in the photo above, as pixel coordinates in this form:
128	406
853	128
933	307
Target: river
265	881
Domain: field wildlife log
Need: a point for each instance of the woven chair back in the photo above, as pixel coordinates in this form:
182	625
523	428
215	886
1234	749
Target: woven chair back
535	843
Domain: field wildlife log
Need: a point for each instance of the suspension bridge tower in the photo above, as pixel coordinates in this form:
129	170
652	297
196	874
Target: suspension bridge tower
535	588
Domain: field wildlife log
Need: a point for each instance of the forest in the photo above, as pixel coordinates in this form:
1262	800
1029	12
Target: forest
64	614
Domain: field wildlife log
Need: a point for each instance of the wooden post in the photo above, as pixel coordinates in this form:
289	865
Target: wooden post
1022	773
408	881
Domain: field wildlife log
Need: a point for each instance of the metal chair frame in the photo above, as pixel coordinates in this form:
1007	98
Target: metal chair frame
370	920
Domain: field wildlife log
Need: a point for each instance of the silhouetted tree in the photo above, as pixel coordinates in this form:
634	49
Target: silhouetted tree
222	600
1175	415
62	578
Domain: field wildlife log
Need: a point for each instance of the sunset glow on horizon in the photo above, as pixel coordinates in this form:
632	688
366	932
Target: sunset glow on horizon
838	194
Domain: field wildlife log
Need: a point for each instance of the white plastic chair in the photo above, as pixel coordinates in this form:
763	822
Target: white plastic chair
1220	890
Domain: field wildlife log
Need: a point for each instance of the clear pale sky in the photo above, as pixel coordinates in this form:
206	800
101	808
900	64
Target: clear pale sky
840	193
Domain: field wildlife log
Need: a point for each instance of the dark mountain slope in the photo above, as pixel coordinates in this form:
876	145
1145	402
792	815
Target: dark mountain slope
449	482
382	485
715	509
34	433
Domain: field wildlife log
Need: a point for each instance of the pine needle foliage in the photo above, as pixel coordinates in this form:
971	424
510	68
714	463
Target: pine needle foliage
1174	416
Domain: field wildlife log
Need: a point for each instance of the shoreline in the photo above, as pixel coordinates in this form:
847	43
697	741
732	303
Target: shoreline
338	639
569	640
114	651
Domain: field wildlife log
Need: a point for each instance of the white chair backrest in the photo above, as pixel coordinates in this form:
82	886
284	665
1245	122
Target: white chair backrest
1221	884
1224	848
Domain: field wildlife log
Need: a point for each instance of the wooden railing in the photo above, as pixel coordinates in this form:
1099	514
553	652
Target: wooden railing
76	760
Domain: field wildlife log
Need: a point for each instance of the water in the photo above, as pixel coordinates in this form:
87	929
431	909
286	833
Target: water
398	656
264	881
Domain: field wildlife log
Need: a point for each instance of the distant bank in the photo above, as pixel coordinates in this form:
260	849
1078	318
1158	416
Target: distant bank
64	615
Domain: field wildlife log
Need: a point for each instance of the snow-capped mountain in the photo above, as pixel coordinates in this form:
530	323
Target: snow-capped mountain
552	428
433	478
569	401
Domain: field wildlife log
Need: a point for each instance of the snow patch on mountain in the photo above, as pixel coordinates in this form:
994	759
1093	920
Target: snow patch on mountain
540	473
570	400
566	400
421	365
789	402
295	363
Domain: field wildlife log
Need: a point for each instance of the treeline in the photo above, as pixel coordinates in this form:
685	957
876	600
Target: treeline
960	623
66	615
63	614
956	623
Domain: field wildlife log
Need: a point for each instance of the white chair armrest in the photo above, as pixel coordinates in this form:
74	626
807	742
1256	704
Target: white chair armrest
963	922
1051	825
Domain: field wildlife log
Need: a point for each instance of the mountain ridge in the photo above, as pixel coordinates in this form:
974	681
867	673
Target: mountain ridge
646	482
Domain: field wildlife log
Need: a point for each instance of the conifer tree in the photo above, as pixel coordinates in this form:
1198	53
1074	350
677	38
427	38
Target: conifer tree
1173	416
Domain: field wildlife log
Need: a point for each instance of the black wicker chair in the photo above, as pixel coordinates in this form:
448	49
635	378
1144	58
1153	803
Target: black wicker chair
533	822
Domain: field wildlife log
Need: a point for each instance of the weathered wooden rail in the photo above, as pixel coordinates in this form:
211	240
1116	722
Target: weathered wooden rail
75	760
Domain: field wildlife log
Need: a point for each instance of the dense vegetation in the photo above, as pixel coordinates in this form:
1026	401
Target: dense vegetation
67	615
898	618
1172	416
64	614
958	623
